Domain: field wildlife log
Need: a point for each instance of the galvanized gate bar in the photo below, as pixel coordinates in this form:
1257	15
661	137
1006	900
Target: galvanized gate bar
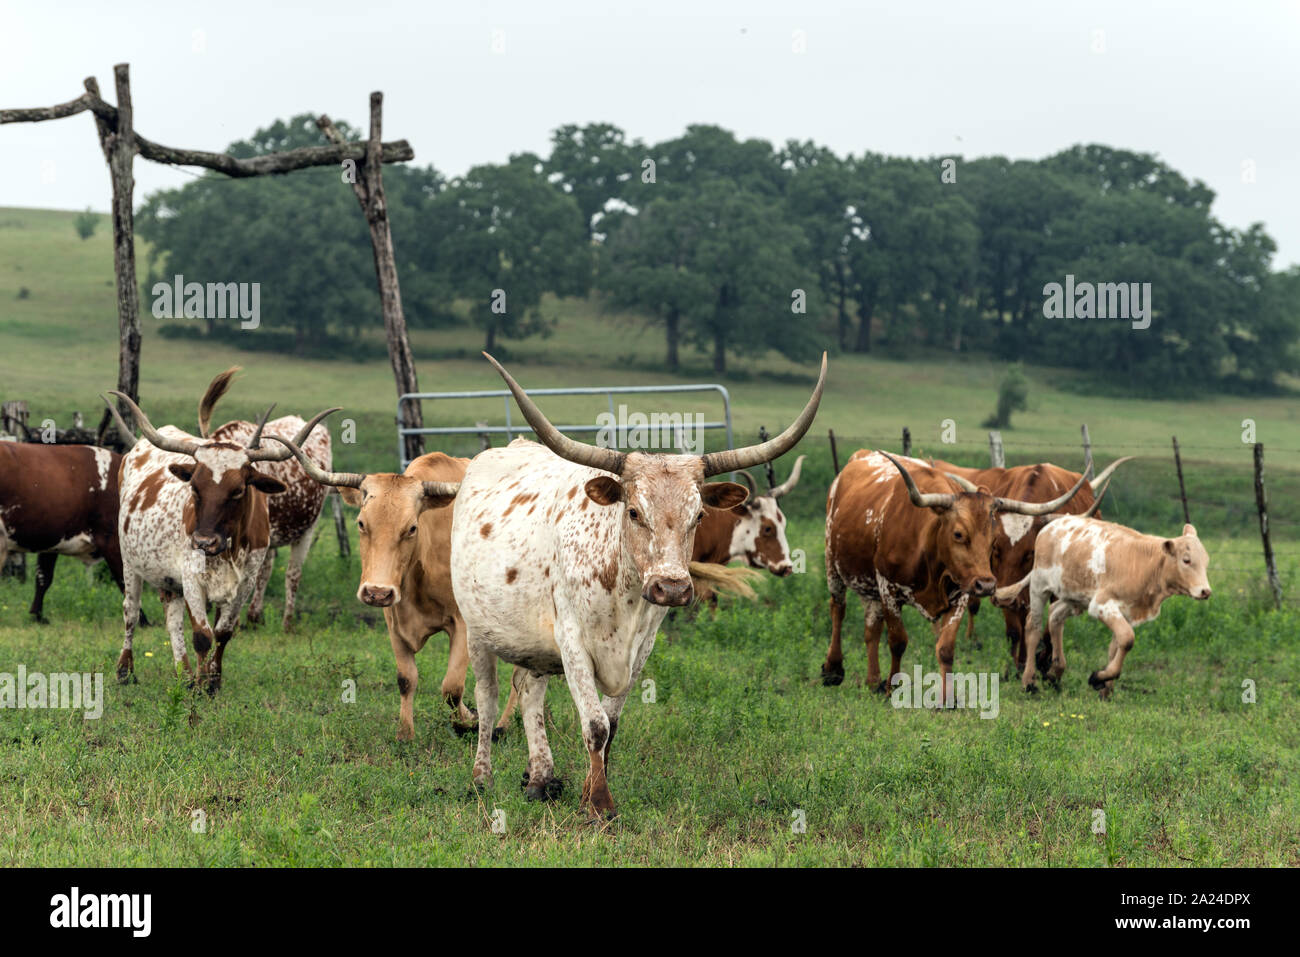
510	430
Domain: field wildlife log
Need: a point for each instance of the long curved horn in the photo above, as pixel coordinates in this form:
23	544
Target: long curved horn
440	489
1046	508
128	436
266	455
788	485
749	483
1099	481
256	440
610	460
922	499
337	479
180	446
966	484
1096	504
733	460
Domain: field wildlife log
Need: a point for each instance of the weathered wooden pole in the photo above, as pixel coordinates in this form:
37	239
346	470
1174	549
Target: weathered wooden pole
1182	489
835	455
369	187
1087	451
907	441
767	466
997	459
1261	503
340	527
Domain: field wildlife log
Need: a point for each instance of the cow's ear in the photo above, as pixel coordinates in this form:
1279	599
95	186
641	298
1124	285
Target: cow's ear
604	490
743	509
1169	547
181	470
265	483
723	494
351	496
1190	530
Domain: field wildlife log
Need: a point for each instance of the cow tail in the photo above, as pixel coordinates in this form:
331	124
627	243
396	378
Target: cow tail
709	578
1007	595
216	389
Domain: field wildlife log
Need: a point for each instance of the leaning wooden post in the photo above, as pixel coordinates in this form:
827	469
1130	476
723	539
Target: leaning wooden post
340	527
369	187
1273	581
996	458
119	146
835	455
1087	451
907	441
1182	489
767	466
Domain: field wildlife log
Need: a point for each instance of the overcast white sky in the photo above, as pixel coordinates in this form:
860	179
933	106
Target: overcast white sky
1209	86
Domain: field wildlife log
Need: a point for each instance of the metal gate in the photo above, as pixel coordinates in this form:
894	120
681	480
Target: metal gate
511	430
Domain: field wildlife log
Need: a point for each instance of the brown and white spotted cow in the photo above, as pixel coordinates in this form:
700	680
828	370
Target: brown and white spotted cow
405	535
753	531
58	500
193	523
1115	574
901	533
1014	536
295	511
565	559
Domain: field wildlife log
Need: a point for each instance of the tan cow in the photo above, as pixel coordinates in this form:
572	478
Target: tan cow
1117	575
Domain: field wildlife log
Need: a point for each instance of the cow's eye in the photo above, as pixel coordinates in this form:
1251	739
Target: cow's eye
769	530
412	530
634	515
361	525
1187	559
699	518
958	536
239	493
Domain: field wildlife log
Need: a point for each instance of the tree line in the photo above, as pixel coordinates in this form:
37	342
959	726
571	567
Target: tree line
737	247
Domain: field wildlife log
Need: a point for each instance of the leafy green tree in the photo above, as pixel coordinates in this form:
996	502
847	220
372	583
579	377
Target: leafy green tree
505	237
85	223
594	164
1013	396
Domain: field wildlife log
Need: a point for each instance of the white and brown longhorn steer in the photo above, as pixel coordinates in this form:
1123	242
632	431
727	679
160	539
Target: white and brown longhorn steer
292	513
753	531
565	560
192	523
1115	574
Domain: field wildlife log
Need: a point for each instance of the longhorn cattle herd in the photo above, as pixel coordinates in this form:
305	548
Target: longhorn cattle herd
563	558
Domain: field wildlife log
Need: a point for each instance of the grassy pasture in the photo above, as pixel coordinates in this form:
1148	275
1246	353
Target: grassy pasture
741	734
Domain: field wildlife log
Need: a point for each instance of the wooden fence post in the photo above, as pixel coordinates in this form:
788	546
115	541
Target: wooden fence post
340	527
835	455
1182	489
13	418
907	441
1273	581
767	466
997	459
1087	451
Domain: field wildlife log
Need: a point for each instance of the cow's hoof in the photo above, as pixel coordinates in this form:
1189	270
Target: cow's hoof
832	676
40	619
882	687
1031	689
550	791
125	677
1095	681
460	730
498	733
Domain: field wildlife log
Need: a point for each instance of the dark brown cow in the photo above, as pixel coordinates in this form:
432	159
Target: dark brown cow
58	500
753	531
1013	542
901	533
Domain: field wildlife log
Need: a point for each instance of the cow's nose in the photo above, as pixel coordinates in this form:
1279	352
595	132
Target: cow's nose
208	544
782	570
667	591
380	596
985	586
1203	593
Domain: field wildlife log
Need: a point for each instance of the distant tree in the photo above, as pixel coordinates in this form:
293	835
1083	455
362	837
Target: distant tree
1013	396
505	237
85	223
595	164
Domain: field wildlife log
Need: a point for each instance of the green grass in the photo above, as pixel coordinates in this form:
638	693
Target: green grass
741	734
740	737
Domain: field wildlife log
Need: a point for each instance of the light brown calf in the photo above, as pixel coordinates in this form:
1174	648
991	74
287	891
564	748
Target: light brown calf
1115	574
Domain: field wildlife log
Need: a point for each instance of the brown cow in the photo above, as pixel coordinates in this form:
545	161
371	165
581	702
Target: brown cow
1117	575
894	544
294	513
753	531
405	535
1013	542
58	500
